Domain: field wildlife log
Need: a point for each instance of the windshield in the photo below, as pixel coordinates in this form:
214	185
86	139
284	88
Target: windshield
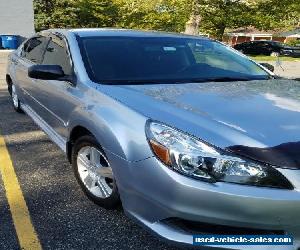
141	60
279	44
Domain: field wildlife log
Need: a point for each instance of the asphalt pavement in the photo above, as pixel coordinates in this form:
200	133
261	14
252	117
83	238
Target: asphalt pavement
286	69
61	215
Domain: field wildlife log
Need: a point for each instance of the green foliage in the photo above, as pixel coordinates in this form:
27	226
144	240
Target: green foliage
167	15
294	42
218	15
275	14
64	14
215	16
74	13
42	8
94	13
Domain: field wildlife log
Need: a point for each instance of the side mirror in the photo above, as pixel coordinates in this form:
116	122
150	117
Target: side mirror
268	66
46	72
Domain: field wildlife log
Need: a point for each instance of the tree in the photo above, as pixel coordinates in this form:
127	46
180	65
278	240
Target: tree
167	15
64	14
96	13
217	15
74	13
193	24
54	14
208	16
275	14
42	8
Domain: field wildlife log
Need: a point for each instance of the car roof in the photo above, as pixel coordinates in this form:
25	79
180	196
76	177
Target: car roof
258	41
91	32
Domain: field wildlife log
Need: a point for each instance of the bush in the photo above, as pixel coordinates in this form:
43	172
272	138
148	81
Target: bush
294	42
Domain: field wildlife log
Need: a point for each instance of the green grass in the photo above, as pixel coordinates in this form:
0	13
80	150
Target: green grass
272	58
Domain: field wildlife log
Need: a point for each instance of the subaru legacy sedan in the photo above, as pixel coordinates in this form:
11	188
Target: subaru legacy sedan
189	135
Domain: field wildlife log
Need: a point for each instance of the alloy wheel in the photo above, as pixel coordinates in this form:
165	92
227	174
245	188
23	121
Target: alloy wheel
95	172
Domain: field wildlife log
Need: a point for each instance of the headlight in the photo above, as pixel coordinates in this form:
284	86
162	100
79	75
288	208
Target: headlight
287	51
197	159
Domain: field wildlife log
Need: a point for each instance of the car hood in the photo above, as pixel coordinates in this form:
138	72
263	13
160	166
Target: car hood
259	119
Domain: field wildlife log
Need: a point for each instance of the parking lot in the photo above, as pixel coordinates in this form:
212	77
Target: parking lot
61	215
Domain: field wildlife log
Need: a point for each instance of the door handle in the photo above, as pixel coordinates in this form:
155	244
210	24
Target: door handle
14	61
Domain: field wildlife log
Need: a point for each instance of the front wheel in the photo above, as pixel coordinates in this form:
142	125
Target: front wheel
15	99
94	173
274	54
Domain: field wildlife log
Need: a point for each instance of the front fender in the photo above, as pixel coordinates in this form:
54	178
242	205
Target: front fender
118	129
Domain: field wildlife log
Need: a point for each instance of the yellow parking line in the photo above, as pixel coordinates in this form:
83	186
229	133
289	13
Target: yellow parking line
27	236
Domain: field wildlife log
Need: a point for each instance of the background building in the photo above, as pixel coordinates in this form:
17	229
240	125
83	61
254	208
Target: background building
247	34
16	17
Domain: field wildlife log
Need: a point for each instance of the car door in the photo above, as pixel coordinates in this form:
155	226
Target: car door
57	98
248	48
267	48
30	54
254	48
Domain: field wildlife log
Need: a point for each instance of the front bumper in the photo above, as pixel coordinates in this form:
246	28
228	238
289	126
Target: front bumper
291	53
154	195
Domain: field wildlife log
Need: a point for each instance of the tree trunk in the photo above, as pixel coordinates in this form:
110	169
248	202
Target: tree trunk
220	33
192	25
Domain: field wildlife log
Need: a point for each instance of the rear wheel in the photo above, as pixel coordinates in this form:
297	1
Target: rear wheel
94	173
15	99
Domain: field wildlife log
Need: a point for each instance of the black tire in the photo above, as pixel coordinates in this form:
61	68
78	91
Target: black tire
275	54
111	202
15	100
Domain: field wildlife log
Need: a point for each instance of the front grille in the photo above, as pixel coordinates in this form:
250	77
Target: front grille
193	227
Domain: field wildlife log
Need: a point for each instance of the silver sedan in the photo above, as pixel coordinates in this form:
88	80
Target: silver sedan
189	135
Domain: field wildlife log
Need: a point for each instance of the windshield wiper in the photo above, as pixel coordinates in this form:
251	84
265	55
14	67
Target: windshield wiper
222	79
175	81
133	81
